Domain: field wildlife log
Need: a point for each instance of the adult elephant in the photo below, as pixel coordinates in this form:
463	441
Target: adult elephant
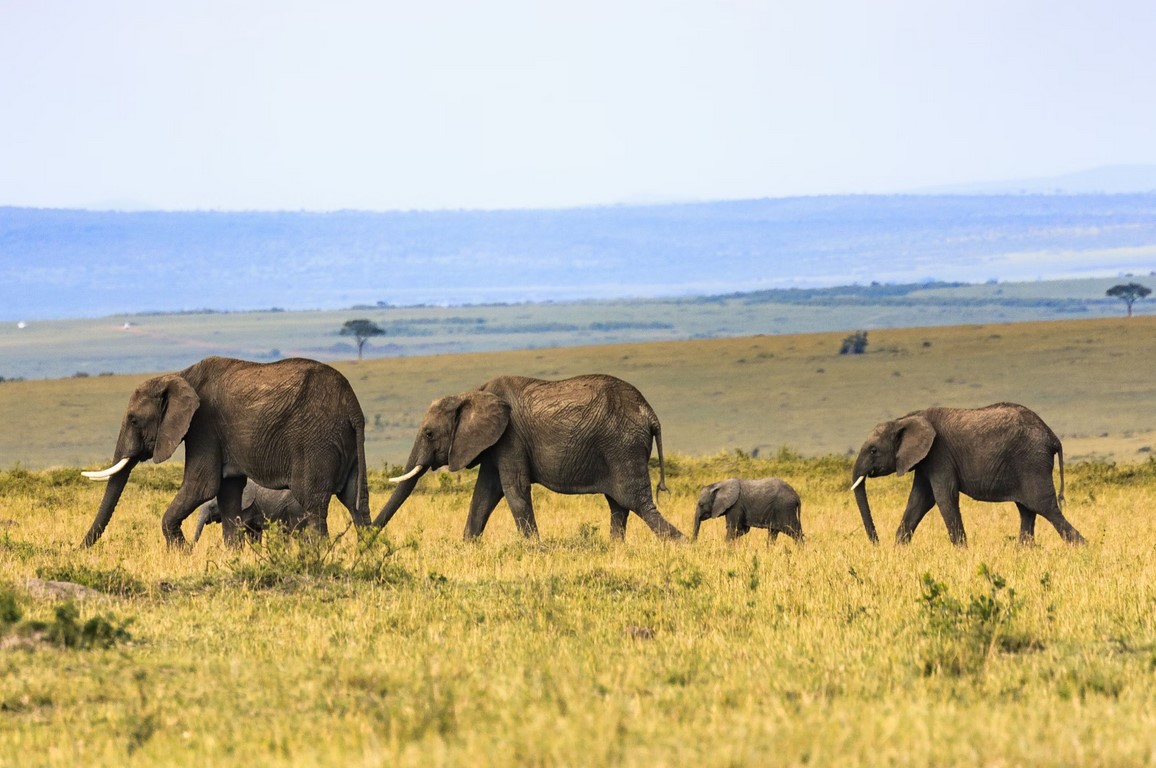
259	507
1003	452
292	424
587	434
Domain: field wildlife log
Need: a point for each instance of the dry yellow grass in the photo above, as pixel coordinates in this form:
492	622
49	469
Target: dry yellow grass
579	651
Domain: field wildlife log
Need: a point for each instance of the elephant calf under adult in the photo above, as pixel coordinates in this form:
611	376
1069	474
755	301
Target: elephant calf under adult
292	424
259	507
768	503
1003	452
587	434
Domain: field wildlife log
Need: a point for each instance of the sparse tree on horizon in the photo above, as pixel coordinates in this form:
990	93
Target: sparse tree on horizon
1128	293
361	329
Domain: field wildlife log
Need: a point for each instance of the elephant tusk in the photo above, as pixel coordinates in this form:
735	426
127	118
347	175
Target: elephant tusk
104	474
408	475
858	482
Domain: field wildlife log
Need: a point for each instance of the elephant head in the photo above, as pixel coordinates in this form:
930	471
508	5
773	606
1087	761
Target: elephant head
714	501
454	432
893	447
158	416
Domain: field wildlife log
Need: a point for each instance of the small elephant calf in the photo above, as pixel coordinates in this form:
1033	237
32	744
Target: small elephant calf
767	503
259	507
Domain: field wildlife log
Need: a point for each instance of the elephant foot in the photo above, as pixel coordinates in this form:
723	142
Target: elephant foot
179	543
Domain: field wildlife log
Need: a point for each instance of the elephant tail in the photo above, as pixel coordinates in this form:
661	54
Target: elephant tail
1058	450
656	434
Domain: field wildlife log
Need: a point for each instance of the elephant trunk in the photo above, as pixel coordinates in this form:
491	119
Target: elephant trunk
205	516
860	488
400	494
112	492
795	528
697	523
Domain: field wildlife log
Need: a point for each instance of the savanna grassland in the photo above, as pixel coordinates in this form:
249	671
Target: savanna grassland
414	648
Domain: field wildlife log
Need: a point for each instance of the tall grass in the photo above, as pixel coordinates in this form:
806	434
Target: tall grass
420	649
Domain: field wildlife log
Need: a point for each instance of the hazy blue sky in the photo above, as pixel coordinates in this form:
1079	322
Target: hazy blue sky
533	103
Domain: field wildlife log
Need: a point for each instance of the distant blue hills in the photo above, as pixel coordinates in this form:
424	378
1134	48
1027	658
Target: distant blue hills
75	263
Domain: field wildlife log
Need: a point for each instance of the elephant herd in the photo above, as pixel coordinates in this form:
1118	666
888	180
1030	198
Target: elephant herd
269	442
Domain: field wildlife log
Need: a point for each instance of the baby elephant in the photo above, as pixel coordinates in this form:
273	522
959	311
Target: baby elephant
259	507
768	503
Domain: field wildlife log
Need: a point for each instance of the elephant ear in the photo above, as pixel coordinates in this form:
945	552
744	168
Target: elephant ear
248	495
915	436
725	496
481	419
180	402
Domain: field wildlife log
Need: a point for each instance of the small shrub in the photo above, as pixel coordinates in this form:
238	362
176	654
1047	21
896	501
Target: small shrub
282	559
964	636
855	344
10	611
66	631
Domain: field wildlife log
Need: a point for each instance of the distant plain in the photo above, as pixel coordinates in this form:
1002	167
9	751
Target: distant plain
1090	379
142	343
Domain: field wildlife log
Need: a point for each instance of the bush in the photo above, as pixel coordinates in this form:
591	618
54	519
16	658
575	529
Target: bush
66	630
855	344
964	636
281	559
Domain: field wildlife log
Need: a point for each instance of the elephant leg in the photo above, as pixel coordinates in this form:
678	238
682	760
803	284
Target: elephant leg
919	503
188	498
736	530
1027	525
948	501
229	502
659	524
1051	512
316	505
521	502
350	495
487	493
618	516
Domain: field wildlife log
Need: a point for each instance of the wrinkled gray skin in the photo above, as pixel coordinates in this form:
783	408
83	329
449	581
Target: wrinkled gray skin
292	424
588	434
259	507
767	503
1004	452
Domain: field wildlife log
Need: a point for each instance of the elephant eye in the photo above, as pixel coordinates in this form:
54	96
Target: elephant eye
874	450
429	434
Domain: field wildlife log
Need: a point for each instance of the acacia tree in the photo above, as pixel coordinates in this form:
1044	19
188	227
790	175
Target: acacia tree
361	329
1128	293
